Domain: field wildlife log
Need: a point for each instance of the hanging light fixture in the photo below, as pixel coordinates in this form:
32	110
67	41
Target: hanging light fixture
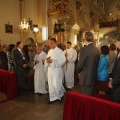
24	25
76	28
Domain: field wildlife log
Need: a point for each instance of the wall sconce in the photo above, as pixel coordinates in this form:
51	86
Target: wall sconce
35	31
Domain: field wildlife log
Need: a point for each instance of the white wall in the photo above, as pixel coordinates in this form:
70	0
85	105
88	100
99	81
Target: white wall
9	12
30	11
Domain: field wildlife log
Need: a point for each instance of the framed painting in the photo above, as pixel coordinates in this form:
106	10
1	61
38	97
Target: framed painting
9	28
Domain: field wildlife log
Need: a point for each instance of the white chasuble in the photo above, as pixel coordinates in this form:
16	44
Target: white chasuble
69	67
56	89
39	75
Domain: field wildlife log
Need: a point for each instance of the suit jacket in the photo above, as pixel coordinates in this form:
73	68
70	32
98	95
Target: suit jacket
88	64
115	74
19	60
3	61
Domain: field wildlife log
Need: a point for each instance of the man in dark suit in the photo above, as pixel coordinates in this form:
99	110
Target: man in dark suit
87	66
3	58
114	80
21	63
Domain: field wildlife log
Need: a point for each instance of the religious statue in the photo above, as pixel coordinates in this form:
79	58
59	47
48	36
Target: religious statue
118	6
78	5
59	7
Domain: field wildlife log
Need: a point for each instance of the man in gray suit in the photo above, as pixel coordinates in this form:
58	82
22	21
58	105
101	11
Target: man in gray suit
87	65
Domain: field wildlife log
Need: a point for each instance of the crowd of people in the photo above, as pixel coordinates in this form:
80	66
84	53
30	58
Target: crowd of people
55	66
99	65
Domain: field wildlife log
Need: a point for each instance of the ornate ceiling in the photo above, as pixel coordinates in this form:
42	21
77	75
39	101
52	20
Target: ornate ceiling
113	9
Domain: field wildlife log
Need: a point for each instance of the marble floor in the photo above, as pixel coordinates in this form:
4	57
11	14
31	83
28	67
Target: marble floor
31	106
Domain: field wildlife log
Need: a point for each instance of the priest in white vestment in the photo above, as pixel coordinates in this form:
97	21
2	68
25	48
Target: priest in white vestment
39	75
54	62
69	67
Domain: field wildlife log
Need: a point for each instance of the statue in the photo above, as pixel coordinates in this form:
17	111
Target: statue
59	7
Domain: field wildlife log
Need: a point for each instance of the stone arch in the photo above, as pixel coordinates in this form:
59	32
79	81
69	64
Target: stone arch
30	41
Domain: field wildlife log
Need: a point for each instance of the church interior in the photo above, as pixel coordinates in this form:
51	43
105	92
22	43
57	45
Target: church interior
62	19
36	21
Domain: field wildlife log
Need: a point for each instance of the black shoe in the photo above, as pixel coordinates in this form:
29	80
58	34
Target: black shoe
24	90
50	102
68	89
61	99
40	94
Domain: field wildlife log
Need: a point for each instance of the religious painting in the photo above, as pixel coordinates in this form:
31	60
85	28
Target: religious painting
30	22
8	28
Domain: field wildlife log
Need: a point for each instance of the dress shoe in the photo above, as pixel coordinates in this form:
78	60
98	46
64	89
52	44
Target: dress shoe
68	89
50	102
40	94
61	99
24	90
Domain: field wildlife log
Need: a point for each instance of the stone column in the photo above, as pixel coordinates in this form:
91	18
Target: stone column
39	19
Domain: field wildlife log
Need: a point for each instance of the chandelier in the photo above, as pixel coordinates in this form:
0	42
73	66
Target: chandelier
24	25
76	28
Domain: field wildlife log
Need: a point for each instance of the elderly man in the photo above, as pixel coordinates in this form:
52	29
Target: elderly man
54	62
39	76
87	65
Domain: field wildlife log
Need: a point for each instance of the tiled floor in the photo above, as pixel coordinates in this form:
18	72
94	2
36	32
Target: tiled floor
30	106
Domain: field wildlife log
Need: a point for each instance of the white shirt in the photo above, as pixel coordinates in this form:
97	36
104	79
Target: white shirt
21	52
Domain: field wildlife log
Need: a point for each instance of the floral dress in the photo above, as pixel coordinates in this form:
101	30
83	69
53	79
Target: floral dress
11	62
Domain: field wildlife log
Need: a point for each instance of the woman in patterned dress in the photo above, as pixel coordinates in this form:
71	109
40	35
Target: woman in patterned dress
11	62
